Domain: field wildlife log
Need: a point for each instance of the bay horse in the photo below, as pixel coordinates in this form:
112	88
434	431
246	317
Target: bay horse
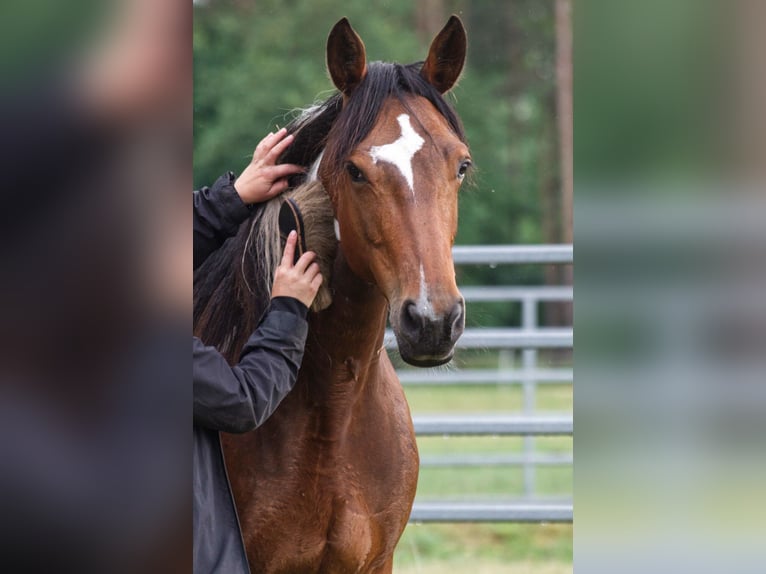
327	483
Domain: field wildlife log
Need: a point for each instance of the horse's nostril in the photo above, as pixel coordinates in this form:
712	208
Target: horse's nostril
412	321
457	317
420	328
457	312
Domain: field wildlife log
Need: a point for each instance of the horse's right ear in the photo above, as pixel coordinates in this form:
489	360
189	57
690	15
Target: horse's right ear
346	57
446	56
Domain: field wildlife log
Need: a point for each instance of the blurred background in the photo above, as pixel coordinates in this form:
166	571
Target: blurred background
256	63
670	229
95	296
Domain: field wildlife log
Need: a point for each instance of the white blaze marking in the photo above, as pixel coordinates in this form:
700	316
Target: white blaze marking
337	229
400	152
423	303
313	174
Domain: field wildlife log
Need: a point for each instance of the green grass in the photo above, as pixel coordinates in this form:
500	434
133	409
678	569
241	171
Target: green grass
504	398
496	482
487	548
481	566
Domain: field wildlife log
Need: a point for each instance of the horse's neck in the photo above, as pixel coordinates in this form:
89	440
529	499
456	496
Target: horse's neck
346	340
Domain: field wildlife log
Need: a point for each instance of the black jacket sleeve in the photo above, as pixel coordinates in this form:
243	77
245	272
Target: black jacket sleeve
218	212
240	398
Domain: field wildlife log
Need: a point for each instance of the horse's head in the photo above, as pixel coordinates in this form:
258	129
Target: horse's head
394	161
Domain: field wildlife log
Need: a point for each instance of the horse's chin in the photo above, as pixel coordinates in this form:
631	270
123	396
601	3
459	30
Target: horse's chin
427	361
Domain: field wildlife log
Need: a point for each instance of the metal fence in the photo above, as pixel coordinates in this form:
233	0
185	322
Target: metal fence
527	339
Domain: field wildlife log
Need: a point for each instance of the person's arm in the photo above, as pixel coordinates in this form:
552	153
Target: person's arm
218	213
239	398
219	210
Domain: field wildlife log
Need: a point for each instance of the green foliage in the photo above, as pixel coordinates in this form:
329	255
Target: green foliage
256	62
255	66
649	105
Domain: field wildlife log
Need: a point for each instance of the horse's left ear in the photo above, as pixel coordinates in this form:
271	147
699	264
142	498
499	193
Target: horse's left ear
346	57
446	56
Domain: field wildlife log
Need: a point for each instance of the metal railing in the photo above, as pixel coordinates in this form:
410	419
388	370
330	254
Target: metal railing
450	511
496	254
491	425
527	339
412	377
463	460
490	338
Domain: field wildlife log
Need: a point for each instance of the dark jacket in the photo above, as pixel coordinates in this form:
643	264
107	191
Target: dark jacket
233	399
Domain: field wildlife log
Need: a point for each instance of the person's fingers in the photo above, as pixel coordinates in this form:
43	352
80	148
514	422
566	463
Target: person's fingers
277	136
271	140
274	137
276	172
312	270
316	282
263	147
277	187
263	143
289	254
266	144
279	147
305	261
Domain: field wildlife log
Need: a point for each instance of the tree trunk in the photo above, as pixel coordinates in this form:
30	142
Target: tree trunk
549	185
565	125
430	17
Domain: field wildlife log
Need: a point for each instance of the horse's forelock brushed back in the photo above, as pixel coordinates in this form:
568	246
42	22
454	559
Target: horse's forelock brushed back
319	231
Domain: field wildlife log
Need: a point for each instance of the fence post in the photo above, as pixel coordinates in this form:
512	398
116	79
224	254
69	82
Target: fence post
529	364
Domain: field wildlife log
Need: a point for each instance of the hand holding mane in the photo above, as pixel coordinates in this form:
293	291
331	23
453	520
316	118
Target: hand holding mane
262	179
300	281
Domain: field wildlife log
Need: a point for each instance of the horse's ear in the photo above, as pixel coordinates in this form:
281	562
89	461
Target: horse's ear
346	57
446	56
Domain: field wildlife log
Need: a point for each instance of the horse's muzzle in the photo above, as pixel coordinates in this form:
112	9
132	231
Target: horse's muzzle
427	339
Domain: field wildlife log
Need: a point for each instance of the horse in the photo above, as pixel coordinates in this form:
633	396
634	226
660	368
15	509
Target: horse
327	483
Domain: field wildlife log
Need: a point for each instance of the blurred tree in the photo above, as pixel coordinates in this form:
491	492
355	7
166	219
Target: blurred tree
430	16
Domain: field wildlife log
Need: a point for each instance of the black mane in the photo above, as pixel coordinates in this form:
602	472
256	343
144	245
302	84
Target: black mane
341	129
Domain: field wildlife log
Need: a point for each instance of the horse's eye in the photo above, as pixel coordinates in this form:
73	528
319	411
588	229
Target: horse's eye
356	174
463	169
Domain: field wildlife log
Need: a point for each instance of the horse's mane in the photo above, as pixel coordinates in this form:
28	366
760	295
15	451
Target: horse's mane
232	288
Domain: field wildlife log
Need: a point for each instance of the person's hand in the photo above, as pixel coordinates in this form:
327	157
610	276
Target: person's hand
302	280
262	179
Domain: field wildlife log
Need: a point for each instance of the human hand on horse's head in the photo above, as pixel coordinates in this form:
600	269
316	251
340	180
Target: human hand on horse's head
300	281
263	179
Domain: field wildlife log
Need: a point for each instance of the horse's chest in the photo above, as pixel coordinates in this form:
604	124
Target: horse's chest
345	520
323	531
351	538
334	494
